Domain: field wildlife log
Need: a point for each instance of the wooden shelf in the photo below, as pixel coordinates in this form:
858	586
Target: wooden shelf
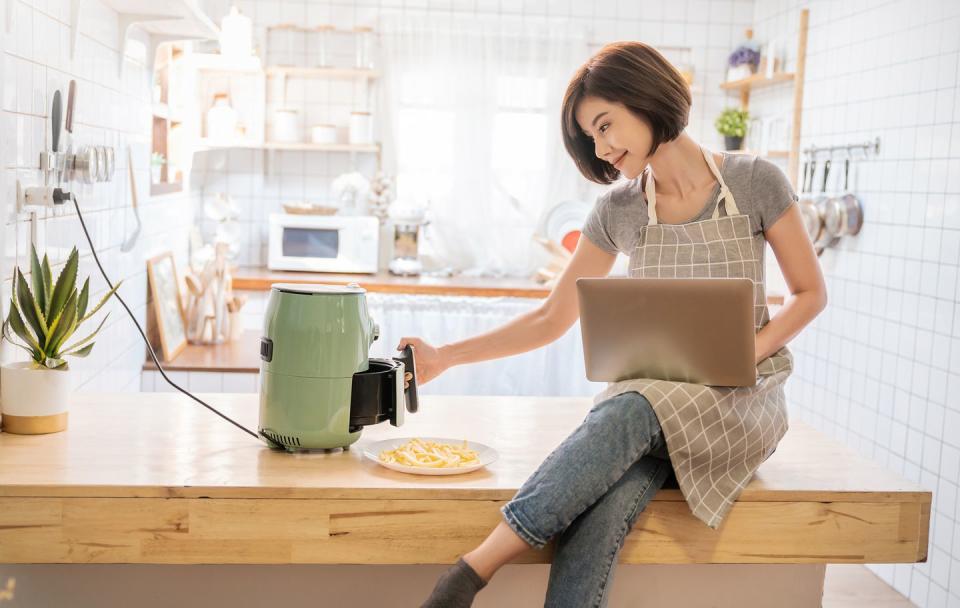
309	147
769	153
745	85
215	62
758	81
305	72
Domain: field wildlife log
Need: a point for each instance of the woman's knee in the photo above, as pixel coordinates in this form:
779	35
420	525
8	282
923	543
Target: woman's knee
628	411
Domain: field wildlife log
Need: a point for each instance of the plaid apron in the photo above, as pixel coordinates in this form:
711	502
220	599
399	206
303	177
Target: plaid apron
717	437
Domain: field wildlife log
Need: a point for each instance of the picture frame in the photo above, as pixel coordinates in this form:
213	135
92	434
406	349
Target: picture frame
170	321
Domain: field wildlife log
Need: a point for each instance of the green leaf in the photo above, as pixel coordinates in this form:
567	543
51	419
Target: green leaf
29	307
83	352
9	338
36	277
53	363
48	283
65	327
100	303
18	326
80	343
84	296
66	283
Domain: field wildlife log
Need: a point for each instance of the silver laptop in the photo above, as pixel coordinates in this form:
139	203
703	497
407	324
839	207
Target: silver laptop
689	330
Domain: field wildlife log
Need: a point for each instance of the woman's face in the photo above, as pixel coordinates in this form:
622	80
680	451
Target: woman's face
620	137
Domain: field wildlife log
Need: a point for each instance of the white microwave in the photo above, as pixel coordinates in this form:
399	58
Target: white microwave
323	243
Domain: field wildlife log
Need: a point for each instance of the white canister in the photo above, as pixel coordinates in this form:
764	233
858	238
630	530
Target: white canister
286	125
34	400
323	134
361	127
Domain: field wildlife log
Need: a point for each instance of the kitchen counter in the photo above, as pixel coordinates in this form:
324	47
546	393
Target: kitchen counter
157	478
260	279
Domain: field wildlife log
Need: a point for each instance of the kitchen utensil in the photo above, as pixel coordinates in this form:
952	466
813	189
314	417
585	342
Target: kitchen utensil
319	387
131	240
844	214
811	218
486	455
108	162
56	117
101	163
564	221
820	203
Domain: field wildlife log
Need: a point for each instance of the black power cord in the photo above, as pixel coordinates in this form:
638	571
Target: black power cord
59	196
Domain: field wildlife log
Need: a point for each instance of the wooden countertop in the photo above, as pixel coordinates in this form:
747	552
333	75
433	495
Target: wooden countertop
240	356
156	478
260	279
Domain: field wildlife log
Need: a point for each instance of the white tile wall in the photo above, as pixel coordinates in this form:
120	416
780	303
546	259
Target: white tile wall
109	111
709	26
880	368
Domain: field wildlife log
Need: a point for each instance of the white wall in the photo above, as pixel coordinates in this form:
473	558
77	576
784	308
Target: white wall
109	111
879	369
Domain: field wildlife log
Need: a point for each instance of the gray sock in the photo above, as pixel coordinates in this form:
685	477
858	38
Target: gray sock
456	587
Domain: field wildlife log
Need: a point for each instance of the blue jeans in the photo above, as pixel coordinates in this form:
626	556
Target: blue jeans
590	491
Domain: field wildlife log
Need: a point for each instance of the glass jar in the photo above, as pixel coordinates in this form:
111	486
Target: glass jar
363	40
323	35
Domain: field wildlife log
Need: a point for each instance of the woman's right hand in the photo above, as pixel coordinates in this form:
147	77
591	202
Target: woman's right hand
427	359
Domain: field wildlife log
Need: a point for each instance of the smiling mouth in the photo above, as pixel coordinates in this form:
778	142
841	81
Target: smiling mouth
615	163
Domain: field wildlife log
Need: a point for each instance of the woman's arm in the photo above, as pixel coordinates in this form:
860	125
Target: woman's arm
528	331
808	294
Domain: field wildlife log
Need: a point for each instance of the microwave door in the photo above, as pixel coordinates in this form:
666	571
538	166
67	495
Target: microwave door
311	243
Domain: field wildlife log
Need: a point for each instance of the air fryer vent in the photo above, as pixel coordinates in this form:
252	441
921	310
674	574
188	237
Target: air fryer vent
284	440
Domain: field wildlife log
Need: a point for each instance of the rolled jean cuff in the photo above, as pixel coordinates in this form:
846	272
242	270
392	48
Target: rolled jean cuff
513	520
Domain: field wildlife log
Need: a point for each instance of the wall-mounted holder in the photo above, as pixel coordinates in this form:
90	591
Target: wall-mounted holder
168	21
830	217
90	164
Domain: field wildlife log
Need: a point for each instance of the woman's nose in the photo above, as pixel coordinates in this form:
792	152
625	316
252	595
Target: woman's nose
600	149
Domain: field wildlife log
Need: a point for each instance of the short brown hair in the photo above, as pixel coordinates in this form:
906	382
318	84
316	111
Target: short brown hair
638	76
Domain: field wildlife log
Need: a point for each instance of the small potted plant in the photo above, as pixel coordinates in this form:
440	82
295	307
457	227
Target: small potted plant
43	316
157	161
732	124
743	62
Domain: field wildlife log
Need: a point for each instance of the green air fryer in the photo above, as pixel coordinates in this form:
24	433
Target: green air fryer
318	387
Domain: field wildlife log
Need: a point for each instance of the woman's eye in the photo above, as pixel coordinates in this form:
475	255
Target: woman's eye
603	128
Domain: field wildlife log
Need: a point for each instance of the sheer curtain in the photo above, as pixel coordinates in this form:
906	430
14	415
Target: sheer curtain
474	127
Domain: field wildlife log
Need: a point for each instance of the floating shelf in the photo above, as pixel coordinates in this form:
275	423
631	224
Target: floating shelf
304	72
309	147
768	154
209	144
757	81
168	21
162	110
215	62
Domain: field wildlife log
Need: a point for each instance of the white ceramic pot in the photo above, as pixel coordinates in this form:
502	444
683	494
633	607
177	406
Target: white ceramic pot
34	400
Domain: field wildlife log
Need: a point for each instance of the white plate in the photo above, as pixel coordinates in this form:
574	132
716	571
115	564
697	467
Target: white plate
486	454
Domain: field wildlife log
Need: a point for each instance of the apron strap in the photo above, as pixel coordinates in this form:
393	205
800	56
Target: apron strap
725	195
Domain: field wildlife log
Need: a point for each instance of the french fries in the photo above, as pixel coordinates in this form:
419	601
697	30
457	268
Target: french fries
431	454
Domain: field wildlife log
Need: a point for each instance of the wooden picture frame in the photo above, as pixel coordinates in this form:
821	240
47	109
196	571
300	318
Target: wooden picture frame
167	307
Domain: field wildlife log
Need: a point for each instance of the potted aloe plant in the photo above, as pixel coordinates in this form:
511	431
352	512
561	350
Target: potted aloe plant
43	316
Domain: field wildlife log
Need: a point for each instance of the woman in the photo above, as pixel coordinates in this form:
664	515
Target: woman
624	113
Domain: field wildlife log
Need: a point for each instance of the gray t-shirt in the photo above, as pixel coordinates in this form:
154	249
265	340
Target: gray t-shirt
759	187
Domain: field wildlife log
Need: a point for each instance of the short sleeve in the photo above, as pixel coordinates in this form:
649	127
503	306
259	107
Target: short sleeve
772	192
596	227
